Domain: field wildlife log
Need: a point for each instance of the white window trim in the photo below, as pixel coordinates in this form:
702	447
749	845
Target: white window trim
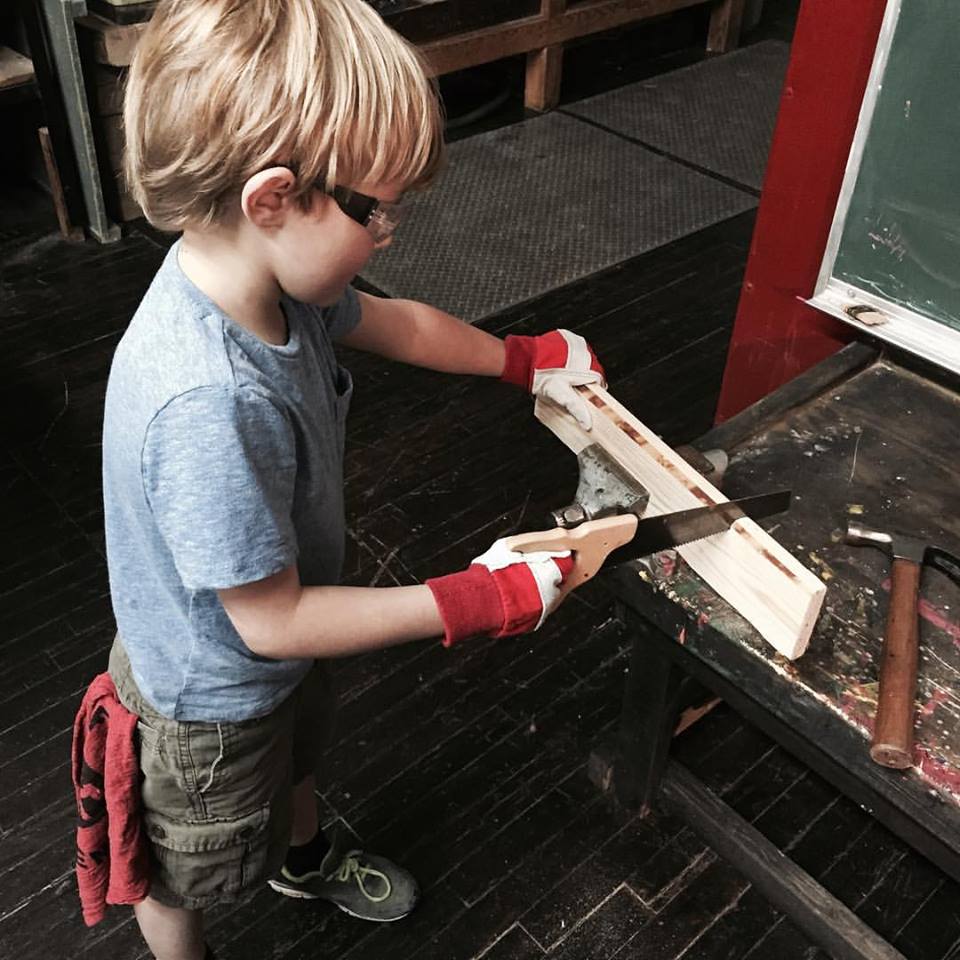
888	321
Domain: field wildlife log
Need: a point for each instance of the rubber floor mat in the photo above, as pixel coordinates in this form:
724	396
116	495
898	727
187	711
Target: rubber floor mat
529	207
718	114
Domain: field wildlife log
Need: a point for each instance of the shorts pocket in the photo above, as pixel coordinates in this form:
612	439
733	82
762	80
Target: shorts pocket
148	736
201	860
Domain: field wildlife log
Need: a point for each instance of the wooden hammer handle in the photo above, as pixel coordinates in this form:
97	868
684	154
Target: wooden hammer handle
893	731
590	543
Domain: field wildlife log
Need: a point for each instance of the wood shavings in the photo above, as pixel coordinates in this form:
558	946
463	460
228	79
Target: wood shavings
824	569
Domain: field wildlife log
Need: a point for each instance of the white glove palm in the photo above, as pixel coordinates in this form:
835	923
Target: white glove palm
550	366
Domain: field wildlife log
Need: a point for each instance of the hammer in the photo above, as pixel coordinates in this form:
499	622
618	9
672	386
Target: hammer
893	730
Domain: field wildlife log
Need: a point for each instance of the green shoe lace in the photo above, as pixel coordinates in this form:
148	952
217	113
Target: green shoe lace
351	868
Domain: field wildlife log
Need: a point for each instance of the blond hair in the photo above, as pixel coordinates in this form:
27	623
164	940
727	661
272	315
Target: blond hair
220	89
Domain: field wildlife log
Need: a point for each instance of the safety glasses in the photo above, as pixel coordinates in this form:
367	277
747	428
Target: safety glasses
379	217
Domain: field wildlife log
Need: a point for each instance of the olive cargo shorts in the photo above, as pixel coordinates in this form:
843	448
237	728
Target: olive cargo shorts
216	797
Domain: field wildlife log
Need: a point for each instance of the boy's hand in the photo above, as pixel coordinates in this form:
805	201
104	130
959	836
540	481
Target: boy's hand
550	366
501	593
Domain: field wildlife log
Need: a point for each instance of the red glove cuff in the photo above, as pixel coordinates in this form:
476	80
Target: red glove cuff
526	356
469	603
519	365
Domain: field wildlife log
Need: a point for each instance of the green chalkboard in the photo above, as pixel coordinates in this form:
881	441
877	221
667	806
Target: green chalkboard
901	235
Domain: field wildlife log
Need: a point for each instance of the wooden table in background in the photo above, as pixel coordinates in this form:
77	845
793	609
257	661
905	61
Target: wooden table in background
450	34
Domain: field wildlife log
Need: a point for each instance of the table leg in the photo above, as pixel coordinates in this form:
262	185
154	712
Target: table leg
544	67
725	20
542	87
654	692
59	16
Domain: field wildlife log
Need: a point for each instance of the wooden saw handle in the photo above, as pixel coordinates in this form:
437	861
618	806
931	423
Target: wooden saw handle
590	543
893	731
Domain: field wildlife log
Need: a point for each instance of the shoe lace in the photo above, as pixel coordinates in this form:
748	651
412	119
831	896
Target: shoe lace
351	868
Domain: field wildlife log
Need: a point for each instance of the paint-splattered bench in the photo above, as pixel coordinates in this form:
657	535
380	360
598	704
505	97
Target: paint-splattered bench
858	435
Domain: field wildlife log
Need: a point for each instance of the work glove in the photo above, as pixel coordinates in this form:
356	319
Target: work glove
501	593
550	366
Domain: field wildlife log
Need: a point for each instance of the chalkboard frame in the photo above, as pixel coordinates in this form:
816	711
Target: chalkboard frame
892	322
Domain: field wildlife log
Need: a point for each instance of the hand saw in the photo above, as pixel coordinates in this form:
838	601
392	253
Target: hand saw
613	540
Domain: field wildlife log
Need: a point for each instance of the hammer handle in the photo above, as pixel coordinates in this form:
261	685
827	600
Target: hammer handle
893	730
590	543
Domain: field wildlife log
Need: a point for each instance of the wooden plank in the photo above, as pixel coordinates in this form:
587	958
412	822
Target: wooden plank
725	21
15	68
113	43
107	93
67	229
542	85
534	33
113	140
819	914
545	66
127	207
770	588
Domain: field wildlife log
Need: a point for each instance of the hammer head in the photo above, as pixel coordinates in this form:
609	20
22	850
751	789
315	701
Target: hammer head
898	545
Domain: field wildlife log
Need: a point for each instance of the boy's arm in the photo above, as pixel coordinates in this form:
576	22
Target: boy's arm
424	336
278	618
549	366
500	594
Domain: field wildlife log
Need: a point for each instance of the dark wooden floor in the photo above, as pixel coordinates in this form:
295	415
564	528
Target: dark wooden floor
468	766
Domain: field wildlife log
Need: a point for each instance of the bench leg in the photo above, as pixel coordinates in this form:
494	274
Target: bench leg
725	20
654	692
544	69
544	66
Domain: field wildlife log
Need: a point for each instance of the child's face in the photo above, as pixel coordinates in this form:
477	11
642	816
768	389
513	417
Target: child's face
319	251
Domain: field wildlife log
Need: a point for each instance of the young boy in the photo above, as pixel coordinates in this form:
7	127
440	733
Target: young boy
279	138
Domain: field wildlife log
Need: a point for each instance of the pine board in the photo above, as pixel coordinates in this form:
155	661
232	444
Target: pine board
751	571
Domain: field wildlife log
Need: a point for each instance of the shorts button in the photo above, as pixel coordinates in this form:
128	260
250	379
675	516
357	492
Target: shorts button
246	833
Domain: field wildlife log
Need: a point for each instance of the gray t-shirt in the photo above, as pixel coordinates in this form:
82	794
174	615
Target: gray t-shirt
222	464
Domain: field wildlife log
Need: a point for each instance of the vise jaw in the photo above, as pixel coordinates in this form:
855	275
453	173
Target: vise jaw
605	489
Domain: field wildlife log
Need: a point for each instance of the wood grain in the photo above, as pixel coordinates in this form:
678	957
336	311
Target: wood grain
821	916
533	33
113	43
893	732
745	566
15	68
725	21
545	66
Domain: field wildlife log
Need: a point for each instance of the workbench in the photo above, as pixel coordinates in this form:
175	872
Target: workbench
861	436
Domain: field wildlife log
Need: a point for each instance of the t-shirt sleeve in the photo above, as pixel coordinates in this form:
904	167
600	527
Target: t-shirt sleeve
219	467
343	316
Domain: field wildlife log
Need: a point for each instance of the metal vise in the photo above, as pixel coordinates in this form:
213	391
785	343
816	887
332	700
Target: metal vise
605	489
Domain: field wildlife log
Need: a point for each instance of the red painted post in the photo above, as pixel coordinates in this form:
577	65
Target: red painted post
776	335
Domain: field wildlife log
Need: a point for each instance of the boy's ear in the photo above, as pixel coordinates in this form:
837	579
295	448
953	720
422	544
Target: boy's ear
265	196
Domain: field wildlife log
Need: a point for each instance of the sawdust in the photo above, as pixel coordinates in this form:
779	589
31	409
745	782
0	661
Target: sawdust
824	569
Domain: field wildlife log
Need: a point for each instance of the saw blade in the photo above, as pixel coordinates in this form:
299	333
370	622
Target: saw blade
686	526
